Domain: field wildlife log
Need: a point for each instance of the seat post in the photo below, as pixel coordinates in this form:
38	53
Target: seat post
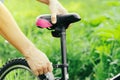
63	53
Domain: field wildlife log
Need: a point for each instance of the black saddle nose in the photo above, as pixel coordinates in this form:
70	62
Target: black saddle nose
68	18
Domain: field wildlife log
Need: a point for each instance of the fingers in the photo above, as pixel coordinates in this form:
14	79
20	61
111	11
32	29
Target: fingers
38	62
61	9
50	68
45	70
56	8
53	10
42	69
53	18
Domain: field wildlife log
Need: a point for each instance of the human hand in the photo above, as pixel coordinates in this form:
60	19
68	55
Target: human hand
39	62
56	8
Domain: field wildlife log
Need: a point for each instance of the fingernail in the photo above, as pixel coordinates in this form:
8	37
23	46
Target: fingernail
53	22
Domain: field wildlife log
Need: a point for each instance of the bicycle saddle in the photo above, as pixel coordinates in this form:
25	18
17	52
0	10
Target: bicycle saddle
44	21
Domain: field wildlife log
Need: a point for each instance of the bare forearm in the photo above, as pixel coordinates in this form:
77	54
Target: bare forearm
10	31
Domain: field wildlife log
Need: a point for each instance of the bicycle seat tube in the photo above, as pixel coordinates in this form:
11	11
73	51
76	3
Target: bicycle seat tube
63	53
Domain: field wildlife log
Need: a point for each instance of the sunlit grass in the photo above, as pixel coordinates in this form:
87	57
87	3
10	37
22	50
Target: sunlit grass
93	43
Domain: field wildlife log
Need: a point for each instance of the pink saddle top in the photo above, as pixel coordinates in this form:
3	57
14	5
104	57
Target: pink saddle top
43	23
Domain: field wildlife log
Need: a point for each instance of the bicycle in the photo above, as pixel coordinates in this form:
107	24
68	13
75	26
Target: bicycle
18	67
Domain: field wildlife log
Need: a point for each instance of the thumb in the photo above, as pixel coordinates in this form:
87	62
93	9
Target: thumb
54	18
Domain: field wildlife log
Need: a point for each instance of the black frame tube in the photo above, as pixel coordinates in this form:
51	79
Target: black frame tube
63	53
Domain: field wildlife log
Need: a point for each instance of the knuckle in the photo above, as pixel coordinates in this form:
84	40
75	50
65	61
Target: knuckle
45	70
50	68
49	64
40	70
53	16
35	72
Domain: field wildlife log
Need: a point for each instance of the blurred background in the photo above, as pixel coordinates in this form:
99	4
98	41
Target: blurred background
93	44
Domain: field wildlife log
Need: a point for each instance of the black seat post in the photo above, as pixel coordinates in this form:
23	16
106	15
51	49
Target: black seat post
63	53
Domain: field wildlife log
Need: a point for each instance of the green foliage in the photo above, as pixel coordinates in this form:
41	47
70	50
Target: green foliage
93	44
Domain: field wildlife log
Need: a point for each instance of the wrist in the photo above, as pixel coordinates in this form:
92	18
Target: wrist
53	1
29	51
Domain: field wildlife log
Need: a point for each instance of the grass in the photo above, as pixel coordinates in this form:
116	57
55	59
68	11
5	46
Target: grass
93	44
